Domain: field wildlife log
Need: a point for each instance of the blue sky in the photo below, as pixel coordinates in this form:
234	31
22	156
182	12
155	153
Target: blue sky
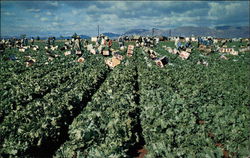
45	18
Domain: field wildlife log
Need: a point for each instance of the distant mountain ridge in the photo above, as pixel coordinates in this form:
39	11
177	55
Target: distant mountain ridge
136	31
111	35
219	31
69	37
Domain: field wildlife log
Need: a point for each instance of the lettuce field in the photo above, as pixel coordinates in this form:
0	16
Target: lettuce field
61	108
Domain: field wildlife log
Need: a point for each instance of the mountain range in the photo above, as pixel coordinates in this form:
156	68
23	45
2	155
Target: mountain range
219	31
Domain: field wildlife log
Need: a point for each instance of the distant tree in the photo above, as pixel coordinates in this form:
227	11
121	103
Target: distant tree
61	37
22	36
38	38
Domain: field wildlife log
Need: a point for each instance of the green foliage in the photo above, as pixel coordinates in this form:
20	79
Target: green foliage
185	109
104	128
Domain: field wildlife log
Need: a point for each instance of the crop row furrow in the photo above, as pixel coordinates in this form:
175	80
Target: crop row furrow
40	126
184	111
106	126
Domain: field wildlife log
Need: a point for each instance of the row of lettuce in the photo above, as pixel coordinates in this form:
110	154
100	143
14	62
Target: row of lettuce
105	128
196	110
12	62
184	110
20	85
41	124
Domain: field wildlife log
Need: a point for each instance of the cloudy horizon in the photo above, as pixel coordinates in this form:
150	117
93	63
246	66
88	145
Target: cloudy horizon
57	18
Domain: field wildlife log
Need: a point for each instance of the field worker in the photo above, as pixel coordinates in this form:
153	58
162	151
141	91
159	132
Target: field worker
123	42
86	42
2	47
77	43
110	43
176	43
32	40
99	41
72	42
210	41
157	40
199	41
103	42
48	42
26	41
68	42
120	41
12	43
188	44
100	49
18	42
22	42
53	41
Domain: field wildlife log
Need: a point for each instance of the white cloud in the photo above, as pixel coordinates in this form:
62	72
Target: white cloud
76	11
229	10
93	8
33	10
55	23
48	13
53	3
57	18
44	19
37	16
8	13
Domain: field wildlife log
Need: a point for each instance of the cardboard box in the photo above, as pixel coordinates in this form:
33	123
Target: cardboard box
130	50
234	53
28	64
226	50
118	56
80	60
93	51
115	61
109	62
93	39
78	52
161	62
202	47
152	56
21	50
223	57
89	47
105	53
189	50
67	53
175	51
112	62
184	55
